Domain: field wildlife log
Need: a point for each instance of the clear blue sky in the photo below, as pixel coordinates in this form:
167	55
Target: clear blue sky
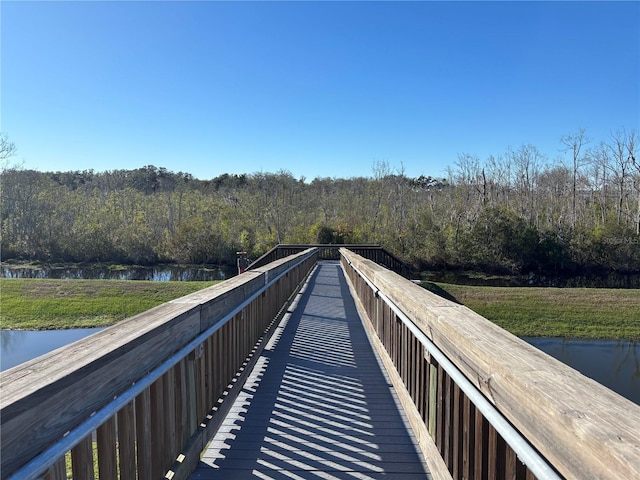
316	88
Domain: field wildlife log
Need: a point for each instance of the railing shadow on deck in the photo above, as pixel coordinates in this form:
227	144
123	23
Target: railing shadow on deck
141	396
483	403
309	410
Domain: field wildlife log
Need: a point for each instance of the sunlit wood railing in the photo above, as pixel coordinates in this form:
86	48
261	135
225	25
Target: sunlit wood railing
483	403
142	398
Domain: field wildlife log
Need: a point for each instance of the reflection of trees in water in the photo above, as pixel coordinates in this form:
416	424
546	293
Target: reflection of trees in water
106	272
11	339
629	355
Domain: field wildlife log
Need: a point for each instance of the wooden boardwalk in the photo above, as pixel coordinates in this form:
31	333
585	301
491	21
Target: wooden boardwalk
317	404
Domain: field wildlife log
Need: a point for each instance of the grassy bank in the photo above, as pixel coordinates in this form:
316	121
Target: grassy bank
527	311
553	312
38	304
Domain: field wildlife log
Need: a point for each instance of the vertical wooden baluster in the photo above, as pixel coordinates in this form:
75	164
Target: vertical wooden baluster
210	380
401	351
143	435
82	460
226	348
501	457
511	464
448	421
433	400
202	383
157	429
407	357
530	476
426	385
468	439
418	362
191	391
127	442
169	395
182	428
57	471
107	460
457	428
480	454
440	410
492	467
219	367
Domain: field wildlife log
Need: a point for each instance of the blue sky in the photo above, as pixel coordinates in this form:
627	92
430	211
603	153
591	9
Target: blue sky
320	89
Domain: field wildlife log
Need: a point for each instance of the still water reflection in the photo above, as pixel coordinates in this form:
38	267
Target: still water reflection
161	273
613	363
18	346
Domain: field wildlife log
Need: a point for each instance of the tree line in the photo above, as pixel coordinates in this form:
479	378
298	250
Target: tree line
517	212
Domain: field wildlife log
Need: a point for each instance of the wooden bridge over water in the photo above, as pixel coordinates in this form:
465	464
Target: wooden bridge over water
317	362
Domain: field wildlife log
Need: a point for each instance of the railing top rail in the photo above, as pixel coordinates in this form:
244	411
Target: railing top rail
584	429
65	388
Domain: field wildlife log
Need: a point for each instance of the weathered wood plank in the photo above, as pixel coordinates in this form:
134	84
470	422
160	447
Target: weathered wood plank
580	426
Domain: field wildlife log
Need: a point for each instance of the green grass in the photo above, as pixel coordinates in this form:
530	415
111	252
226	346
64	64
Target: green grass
38	304
553	312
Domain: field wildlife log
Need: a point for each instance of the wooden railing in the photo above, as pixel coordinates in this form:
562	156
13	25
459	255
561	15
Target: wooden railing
483	403
375	253
142	398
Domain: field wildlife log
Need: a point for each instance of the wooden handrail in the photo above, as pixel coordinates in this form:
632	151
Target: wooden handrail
583	429
44	399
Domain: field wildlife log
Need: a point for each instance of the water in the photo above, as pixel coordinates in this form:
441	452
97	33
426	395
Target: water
161	273
613	363
19	346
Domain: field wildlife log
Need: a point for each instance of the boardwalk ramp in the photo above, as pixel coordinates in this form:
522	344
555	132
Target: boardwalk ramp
317	404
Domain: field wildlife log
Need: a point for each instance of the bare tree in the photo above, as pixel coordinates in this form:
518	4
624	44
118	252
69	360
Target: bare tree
631	140
7	149
573	143
381	172
621	165
527	161
600	167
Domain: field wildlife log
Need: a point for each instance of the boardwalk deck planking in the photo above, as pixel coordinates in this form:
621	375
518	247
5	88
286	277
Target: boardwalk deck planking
317	403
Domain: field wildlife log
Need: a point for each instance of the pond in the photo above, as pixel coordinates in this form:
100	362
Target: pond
159	273
19	346
615	364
